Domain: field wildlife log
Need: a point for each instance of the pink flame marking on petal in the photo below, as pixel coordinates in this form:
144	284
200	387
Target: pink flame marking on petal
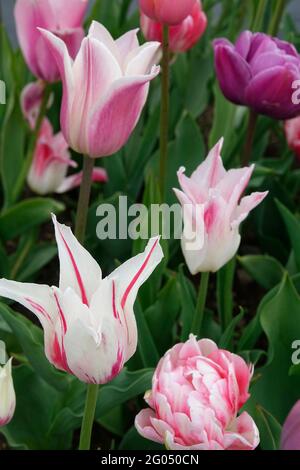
134	280
115	311
58	356
61	315
63	355
39	309
116	367
77	273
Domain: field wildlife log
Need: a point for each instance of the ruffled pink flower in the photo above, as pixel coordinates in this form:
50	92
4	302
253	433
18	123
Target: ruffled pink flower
63	18
89	324
292	132
51	162
182	36
104	89
197	392
167	11
213	209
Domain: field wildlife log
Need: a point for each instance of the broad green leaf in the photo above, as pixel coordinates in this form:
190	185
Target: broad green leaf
36	260
25	215
146	345
188	303
269	429
226	339
293	228
264	269
133	441
225	278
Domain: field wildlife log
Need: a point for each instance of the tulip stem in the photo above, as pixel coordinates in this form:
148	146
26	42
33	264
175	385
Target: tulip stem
32	145
250	137
276	18
88	417
225	278
200	306
259	16
164	118
84	198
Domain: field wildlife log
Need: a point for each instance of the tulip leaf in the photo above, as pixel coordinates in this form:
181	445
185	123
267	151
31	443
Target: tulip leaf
39	257
292	225
188	304
269	429
225	278
226	339
133	441
25	215
264	269
146	345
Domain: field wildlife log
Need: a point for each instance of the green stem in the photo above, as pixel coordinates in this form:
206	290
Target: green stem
88	417
164	119
276	18
250	137
225	277
201	301
84	198
259	16
32	145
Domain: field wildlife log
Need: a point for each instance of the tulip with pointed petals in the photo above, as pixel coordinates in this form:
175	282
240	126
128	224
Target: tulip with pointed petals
259	71
88	321
213	211
63	18
104	90
50	164
167	11
290	436
7	394
184	35
197	392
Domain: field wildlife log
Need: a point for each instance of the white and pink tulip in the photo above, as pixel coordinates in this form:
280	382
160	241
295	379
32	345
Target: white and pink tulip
7	394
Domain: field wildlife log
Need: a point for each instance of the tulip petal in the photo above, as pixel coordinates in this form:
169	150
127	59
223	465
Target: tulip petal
144	426
78	269
247	204
7	394
243	43
126	98
244	435
233	72
291	430
31	100
69	13
126	44
141	61
99	175
101	34
211	171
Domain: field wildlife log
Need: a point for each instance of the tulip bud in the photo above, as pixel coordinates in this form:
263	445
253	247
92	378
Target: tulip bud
7	394
169	12
292	133
89	325
197	393
50	164
213	209
182	36
259	71
62	17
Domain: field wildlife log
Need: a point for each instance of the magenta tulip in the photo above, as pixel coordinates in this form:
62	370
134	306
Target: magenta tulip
197	393
104	90
63	17
290	437
184	35
167	11
259	71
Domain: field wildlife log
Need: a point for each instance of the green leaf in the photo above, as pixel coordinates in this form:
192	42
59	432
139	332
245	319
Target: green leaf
227	337
146	344
26	215
36	260
269	429
293	228
188	303
264	269
225	278
133	441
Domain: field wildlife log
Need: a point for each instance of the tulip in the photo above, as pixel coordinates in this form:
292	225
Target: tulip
259	72
104	90
182	36
167	11
31	101
89	324
290	437
63	17
197	392
50	164
292	132
213	211
7	394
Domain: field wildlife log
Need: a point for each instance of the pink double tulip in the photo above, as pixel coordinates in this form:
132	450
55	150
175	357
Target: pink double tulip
7	394
292	132
290	437
104	90
167	11
89	324
51	161
63	17
197	392
184	35
213	209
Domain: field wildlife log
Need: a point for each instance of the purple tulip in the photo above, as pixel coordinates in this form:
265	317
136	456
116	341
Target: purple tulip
290	437
259	72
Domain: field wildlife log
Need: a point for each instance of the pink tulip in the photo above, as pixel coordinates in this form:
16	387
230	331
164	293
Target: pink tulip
50	164
89	324
213	209
290	437
182	36
63	17
292	132
31	101
104	90
167	11
197	392
7	394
